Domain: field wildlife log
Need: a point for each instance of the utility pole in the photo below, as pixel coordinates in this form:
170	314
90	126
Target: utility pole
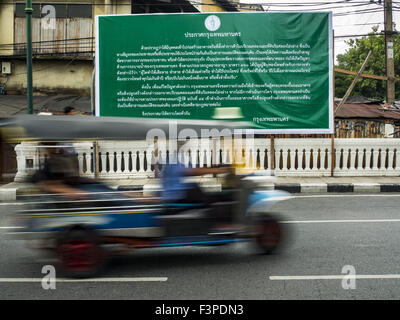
389	49
29	91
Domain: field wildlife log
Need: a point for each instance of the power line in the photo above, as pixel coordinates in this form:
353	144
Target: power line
310	4
359	35
370	10
346	4
362	26
353	4
359	24
341	7
82	45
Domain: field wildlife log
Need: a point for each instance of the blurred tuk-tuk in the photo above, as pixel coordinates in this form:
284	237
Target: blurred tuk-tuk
84	221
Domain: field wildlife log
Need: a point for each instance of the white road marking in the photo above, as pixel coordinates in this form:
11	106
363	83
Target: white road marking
336	277
11	227
343	195
307	221
292	196
123	279
341	221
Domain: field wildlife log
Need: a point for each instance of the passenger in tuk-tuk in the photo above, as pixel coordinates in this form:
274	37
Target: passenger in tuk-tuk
59	173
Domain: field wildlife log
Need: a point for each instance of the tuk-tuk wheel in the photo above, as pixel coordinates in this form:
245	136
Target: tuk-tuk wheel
79	253
269	234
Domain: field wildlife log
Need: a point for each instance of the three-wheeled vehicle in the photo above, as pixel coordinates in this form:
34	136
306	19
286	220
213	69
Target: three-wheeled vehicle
83	231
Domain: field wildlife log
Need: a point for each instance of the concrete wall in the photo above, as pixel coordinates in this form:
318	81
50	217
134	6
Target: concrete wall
51	76
6	25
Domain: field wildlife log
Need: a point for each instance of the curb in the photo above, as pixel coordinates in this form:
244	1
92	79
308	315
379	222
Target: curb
338	187
313	187
10	194
390	187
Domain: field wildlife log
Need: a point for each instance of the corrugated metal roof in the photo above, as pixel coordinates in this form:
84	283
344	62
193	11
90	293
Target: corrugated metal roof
361	99
368	111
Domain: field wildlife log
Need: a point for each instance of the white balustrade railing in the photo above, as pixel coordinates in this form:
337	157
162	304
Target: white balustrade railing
292	157
368	157
303	157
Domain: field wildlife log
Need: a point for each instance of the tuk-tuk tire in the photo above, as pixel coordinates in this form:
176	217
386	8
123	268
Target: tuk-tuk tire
79	253
269	235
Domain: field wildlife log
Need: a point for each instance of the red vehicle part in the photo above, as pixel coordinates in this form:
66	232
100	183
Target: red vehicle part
79	253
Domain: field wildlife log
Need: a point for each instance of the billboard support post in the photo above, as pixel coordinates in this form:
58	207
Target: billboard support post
333	159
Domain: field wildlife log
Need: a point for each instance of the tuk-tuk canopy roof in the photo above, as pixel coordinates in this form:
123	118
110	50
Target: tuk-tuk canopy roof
56	128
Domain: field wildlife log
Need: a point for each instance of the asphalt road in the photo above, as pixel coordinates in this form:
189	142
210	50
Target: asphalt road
327	232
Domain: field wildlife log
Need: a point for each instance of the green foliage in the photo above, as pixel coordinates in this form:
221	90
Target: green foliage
353	59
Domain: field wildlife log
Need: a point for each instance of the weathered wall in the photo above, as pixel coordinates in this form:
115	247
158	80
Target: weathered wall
51	76
6	26
58	75
365	128
210	6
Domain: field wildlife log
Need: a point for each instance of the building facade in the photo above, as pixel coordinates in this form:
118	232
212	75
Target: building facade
63	39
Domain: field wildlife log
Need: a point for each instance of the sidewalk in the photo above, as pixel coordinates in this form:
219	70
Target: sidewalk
291	184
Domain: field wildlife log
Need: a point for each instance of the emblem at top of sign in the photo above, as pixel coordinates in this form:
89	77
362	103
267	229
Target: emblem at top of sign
212	23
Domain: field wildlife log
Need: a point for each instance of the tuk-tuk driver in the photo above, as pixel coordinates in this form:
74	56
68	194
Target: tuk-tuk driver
174	187
176	190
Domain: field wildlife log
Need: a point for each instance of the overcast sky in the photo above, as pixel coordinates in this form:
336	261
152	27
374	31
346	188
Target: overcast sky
349	17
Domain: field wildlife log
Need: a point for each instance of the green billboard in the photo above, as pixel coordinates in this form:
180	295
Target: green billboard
273	69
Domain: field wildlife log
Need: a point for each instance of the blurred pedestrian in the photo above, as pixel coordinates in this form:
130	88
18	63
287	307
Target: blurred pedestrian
70	111
68	146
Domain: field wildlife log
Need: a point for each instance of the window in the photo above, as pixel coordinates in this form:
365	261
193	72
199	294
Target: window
80	11
20	10
62	10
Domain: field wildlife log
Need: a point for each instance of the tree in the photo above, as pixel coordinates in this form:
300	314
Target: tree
354	58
